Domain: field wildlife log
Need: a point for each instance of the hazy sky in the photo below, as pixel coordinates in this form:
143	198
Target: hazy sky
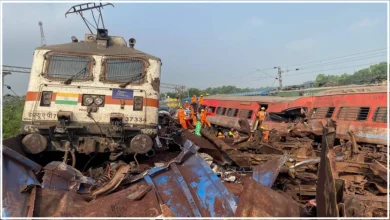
203	45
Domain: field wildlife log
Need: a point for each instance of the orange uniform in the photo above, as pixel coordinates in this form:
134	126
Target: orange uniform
193	99
186	105
261	115
203	119
265	136
193	116
201	99
181	116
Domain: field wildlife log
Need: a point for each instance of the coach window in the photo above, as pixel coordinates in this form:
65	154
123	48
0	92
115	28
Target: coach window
323	112
380	115
329	113
232	112
353	113
246	113
124	71
68	67
221	111
211	109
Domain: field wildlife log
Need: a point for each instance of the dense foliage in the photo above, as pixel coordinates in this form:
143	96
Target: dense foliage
374	74
12	115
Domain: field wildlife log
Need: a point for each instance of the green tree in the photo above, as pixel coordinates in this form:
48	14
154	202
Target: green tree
12	117
194	91
376	73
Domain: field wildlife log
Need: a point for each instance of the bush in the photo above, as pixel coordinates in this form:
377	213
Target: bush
12	116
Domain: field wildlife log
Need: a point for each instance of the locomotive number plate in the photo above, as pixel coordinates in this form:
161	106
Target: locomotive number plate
134	119
126	94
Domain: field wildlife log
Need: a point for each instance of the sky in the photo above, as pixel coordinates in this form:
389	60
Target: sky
208	45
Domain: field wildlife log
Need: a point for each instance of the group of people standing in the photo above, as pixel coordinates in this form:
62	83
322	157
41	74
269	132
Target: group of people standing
197	104
194	107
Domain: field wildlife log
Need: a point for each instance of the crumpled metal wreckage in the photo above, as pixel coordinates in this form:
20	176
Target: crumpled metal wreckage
184	187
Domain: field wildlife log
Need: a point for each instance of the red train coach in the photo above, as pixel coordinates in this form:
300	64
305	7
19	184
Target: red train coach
362	110
226	110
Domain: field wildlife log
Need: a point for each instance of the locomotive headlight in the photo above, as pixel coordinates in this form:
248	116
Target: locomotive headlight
46	98
99	100
138	103
87	100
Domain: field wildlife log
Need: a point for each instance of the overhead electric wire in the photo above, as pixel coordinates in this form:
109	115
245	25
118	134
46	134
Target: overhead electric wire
367	53
267	74
257	70
9	87
344	61
334	68
300	64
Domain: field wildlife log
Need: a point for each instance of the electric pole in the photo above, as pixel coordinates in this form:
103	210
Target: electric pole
43	40
280	75
280	78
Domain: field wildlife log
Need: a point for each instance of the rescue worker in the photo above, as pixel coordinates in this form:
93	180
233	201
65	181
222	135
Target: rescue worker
181	116
193	99
194	102
201	99
231	132
203	119
261	116
220	135
265	134
186	105
193	116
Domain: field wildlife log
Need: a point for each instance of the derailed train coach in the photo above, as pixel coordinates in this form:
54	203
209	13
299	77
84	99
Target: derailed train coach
227	110
359	111
96	95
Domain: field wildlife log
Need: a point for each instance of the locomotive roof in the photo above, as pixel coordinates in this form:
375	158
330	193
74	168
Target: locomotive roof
91	48
252	98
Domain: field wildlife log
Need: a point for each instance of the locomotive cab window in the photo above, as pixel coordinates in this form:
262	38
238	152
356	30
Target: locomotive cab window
353	113
68	67
124	71
380	115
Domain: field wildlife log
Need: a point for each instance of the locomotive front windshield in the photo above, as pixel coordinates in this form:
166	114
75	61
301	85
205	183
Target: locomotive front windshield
80	68
62	67
124	71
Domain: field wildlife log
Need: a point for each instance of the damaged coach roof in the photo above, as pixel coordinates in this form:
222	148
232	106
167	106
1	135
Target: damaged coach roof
352	90
252	98
116	46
